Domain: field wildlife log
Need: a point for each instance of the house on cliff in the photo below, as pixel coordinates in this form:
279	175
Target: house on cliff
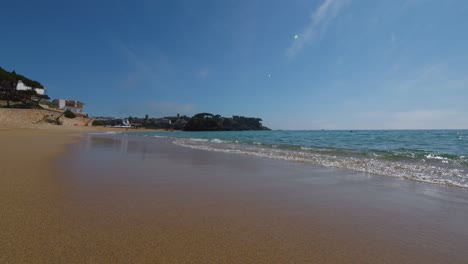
20	86
70	105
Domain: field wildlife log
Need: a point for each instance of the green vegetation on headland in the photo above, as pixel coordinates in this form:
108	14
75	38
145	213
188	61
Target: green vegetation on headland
14	77
199	122
69	114
210	122
8	92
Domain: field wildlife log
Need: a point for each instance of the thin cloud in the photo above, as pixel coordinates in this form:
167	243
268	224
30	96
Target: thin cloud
319	21
426	119
412	3
169	108
156	109
135	61
139	70
430	77
144	67
203	73
414	119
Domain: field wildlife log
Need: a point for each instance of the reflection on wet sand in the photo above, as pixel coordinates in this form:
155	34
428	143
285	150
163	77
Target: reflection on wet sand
146	200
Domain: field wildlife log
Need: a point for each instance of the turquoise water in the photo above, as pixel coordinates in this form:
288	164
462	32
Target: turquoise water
436	156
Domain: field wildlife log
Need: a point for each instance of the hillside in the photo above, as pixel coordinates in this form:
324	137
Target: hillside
30	117
210	122
10	94
6	77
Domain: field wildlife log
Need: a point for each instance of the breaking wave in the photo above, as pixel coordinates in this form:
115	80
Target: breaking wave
418	166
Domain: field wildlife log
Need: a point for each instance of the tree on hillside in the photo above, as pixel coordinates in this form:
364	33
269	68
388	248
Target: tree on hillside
210	122
9	82
43	96
69	114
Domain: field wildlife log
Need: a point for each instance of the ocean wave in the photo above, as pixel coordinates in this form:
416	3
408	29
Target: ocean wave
198	139
432	156
156	136
413	169
105	133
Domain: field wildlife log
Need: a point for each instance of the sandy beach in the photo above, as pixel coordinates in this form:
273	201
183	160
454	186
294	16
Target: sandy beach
29	196
234	132
31	204
68	197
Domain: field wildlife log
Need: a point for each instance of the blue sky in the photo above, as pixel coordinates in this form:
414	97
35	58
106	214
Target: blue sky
354	64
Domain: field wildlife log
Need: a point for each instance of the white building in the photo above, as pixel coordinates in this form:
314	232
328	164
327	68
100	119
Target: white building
70	105
125	124
165	121
22	87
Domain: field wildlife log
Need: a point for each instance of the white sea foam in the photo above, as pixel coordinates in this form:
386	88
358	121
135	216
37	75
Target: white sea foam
104	133
432	156
424	172
198	139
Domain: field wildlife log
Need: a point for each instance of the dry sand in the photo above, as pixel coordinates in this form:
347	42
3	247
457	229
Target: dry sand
122	200
29	197
32	226
32	117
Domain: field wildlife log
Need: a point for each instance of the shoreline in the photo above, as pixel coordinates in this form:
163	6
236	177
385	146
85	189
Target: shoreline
441	168
98	199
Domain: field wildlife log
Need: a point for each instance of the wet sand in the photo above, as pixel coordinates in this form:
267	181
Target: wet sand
116	199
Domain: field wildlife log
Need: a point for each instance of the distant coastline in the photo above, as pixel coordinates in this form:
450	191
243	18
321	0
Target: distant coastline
198	122
20	92
210	122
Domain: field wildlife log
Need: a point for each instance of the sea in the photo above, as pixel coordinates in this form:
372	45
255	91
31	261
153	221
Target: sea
433	156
